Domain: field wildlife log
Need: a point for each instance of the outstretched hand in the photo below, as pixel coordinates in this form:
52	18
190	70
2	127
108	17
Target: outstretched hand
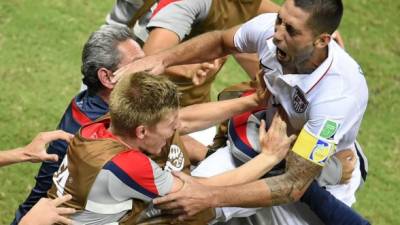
36	150
207	69
338	38
191	199
47	211
275	143
262	92
348	160
151	64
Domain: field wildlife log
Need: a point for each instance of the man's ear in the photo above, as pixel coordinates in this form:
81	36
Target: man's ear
140	131
105	76
322	40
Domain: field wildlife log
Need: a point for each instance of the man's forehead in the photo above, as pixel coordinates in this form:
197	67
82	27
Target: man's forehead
292	15
131	49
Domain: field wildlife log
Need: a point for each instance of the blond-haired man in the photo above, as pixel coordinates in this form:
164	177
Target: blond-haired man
115	166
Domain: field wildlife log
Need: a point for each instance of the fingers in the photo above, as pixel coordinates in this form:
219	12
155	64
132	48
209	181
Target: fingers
64	220
338	38
278	123
118	74
65	211
177	211
171	206
164	200
60	200
344	154
50	157
292	138
262	131
208	66
348	160
55	135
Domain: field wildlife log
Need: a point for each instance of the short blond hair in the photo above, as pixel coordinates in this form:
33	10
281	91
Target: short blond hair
141	99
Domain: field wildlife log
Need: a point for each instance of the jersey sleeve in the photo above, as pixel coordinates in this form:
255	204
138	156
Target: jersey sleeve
252	35
332	127
123	11
337	121
179	16
134	175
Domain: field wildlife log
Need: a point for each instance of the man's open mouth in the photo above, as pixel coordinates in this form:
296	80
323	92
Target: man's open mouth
280	55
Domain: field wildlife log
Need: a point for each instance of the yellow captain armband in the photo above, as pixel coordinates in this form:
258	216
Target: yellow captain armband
313	148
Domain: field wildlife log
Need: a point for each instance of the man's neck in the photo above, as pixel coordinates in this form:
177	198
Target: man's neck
105	95
128	141
307	67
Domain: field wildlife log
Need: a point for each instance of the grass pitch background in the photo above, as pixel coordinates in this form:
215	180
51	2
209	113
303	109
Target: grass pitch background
40	50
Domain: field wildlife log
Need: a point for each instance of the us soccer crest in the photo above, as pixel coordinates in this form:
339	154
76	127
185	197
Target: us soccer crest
299	100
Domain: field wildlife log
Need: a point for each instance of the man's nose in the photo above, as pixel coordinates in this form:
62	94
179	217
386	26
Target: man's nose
278	36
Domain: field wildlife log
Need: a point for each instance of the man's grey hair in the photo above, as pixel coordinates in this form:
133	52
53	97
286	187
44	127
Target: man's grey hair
100	51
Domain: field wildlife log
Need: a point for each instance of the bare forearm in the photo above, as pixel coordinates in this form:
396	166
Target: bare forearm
183	70
250	171
8	157
249	62
282	189
203	48
201	116
254	194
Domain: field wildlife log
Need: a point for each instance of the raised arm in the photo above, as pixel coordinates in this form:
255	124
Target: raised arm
203	48
201	116
35	151
161	38
274	146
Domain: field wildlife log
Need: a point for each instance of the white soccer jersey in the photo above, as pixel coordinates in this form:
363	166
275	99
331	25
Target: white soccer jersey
329	103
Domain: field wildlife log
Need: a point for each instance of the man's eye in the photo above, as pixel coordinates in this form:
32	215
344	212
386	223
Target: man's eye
291	31
278	20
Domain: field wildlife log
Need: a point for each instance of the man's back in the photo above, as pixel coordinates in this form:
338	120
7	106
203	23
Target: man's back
82	109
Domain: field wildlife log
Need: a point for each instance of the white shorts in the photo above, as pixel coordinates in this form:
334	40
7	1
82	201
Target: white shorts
293	213
205	136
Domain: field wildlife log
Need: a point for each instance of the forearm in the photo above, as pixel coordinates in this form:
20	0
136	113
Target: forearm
8	157
286	188
250	171
201	116
200	49
249	62
249	195
183	70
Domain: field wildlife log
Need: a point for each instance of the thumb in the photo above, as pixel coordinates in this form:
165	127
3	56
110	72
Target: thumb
50	157
262	131
292	138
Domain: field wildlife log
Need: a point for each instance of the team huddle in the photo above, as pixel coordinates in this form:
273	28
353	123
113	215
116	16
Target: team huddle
150	147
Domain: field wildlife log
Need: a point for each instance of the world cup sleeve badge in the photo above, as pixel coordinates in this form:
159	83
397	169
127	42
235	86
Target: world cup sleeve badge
329	129
313	148
299	100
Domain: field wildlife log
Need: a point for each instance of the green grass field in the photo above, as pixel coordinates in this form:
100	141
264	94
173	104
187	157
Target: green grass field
40	47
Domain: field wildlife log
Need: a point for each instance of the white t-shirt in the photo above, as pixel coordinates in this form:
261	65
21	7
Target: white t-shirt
334	96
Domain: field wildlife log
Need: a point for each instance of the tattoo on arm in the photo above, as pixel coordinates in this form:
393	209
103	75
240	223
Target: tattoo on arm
291	185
